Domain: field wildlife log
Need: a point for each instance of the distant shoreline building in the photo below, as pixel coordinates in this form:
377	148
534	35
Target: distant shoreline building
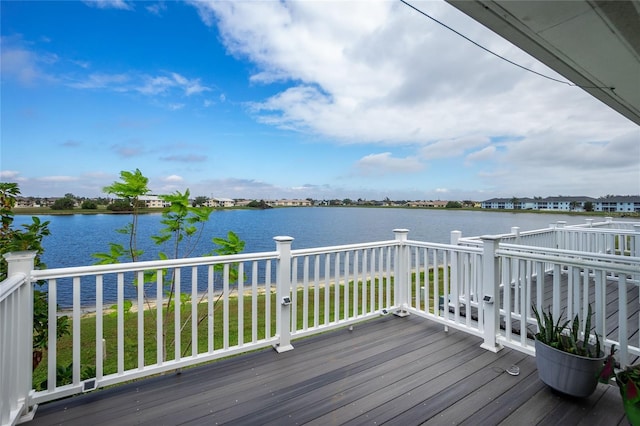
613	204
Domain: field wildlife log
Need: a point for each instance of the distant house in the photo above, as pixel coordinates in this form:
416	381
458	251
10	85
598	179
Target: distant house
290	203
620	204
221	202
427	204
25	202
154	202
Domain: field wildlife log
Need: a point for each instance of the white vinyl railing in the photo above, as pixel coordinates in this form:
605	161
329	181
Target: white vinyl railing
336	286
568	287
622	238
122	324
446	284
16	323
215	297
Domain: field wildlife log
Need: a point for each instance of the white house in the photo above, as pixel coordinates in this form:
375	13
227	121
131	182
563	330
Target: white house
221	202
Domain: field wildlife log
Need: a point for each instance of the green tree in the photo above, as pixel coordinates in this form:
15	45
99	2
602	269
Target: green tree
182	229
588	206
131	187
64	204
200	201
453	205
515	202
28	238
89	205
120	206
259	204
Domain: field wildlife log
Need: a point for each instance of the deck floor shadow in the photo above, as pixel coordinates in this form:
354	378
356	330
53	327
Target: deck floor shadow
391	370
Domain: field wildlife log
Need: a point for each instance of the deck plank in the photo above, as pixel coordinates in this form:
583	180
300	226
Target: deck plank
395	370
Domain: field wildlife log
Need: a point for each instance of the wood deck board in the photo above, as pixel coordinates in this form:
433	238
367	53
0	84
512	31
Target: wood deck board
399	370
377	372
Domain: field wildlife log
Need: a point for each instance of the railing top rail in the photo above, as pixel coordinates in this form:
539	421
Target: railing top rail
342	248
11	284
510	234
616	231
624	264
583	228
615	258
148	265
465	249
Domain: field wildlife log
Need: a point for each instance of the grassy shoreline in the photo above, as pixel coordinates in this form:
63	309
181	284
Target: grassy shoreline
151	346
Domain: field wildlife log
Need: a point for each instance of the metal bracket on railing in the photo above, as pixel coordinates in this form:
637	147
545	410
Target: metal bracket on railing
89	385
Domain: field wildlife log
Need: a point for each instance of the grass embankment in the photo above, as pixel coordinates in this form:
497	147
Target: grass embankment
110	329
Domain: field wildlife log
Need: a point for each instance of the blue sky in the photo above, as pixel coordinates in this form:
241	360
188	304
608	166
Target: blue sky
338	99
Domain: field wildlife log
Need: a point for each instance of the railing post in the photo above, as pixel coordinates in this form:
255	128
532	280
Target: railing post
401	274
455	237
490	293
635	241
515	230
283	294
20	327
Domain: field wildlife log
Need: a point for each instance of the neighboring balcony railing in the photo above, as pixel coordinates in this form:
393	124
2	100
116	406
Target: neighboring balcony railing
122	326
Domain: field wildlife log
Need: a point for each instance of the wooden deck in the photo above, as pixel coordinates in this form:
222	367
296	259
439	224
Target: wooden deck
399	371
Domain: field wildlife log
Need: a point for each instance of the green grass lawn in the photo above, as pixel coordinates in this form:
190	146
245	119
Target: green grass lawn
151	346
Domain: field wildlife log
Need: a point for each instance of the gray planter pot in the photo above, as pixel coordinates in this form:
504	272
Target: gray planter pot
567	373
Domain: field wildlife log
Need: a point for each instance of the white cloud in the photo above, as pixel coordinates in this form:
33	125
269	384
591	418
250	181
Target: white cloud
485	154
110	4
157	8
385	163
18	62
453	147
173	178
379	72
100	81
157	85
9	174
59	178
370	71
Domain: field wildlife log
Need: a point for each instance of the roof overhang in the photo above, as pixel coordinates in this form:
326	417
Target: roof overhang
594	44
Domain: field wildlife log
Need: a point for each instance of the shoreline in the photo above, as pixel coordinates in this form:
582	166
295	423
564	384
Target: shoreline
46	211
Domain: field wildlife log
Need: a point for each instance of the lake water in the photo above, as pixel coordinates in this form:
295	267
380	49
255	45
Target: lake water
74	238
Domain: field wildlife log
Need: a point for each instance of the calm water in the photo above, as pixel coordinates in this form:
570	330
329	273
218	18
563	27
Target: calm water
74	238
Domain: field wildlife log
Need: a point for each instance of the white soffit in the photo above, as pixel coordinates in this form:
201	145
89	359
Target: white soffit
594	44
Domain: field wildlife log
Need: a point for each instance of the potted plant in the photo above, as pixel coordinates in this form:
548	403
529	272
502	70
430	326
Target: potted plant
628	381
565	361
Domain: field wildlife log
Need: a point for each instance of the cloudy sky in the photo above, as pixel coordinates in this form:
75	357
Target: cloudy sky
338	99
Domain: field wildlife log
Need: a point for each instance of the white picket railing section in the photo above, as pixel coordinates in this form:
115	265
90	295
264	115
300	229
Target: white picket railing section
354	281
176	333
448	294
232	304
568	282
16	323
